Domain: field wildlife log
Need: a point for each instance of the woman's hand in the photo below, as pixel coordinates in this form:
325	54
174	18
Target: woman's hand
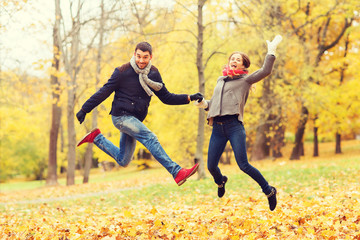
201	103
273	44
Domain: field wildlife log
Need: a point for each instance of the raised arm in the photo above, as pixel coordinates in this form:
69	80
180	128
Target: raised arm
267	67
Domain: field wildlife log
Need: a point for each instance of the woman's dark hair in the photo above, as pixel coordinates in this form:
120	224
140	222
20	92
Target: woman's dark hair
144	46
246	59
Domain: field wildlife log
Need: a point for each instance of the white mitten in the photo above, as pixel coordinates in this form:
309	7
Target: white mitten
273	44
202	104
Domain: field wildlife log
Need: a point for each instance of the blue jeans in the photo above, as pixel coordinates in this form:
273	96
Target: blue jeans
234	131
133	130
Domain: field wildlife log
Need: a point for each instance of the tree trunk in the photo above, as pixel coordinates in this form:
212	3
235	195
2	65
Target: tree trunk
71	156
201	77
338	144
56	108
342	76
89	149
316	142
302	150
299	148
278	140
72	70
228	152
226	159
261	148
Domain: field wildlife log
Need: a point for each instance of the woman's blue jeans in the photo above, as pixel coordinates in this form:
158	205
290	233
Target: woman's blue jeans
133	130
233	131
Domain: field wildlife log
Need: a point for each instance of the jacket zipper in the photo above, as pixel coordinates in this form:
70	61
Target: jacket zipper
221	97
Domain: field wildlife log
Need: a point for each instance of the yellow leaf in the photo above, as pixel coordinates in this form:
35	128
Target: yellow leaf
153	211
158	223
128	214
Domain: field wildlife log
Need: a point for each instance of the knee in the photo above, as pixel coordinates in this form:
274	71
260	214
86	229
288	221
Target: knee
123	161
211	167
245	167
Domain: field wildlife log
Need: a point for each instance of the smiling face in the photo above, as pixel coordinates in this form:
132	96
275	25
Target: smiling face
236	62
142	58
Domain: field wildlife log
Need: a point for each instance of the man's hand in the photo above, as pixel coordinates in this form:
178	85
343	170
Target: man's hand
81	116
196	96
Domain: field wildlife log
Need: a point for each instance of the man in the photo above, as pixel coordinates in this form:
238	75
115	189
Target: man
134	83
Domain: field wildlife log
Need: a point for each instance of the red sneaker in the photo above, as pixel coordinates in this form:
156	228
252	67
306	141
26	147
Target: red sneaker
184	174
89	138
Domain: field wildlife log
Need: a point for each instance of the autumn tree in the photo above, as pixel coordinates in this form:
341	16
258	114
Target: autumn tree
263	23
202	50
338	108
73	58
56	108
315	30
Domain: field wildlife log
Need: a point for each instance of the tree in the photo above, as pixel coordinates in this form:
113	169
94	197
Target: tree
201	78
56	108
316	23
89	150
264	23
201	36
73	58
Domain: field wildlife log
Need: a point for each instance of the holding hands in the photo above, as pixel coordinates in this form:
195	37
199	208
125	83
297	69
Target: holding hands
273	44
201	103
196	97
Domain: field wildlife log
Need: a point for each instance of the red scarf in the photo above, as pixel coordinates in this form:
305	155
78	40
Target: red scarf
230	72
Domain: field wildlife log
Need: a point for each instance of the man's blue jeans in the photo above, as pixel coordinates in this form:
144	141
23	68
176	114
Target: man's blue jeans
234	131
133	130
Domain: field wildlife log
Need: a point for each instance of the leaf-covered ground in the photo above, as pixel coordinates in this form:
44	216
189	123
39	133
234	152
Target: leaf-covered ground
317	199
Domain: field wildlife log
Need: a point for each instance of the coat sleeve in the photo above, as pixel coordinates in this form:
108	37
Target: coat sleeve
103	93
170	98
263	72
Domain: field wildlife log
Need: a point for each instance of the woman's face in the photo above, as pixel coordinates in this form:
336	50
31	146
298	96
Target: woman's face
236	62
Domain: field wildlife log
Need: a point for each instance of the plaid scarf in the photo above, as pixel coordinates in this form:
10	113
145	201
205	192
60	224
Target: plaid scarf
143	78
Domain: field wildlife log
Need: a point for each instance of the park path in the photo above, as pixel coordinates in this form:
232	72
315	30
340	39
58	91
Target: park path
71	197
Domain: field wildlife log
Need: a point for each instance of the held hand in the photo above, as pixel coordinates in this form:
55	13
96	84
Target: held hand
273	44
196	96
81	116
201	104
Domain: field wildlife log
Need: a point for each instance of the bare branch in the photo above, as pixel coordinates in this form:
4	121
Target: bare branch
322	48
187	9
211	55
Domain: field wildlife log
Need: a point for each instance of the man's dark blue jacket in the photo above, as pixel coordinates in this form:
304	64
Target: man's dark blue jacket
130	98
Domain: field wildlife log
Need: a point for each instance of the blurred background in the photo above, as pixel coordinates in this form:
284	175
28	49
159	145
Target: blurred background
55	54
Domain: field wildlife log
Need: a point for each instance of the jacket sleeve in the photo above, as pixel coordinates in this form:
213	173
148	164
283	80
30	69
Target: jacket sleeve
103	93
170	98
263	72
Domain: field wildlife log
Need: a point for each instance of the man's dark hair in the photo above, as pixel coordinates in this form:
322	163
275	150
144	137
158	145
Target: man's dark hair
144	46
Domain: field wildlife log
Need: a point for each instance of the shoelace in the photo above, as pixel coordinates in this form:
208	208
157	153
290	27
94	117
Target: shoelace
272	193
222	185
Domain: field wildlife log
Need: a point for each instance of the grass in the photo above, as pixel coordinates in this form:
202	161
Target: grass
320	166
147	185
321	190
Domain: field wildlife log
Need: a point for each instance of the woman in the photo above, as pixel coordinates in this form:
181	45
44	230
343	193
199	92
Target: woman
226	110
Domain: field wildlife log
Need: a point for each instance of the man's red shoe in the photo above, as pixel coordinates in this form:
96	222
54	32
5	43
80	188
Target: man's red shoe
89	138
184	174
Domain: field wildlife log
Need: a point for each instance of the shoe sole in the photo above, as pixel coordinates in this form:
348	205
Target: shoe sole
80	142
192	173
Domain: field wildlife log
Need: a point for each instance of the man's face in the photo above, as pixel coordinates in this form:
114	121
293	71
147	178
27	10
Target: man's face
142	58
